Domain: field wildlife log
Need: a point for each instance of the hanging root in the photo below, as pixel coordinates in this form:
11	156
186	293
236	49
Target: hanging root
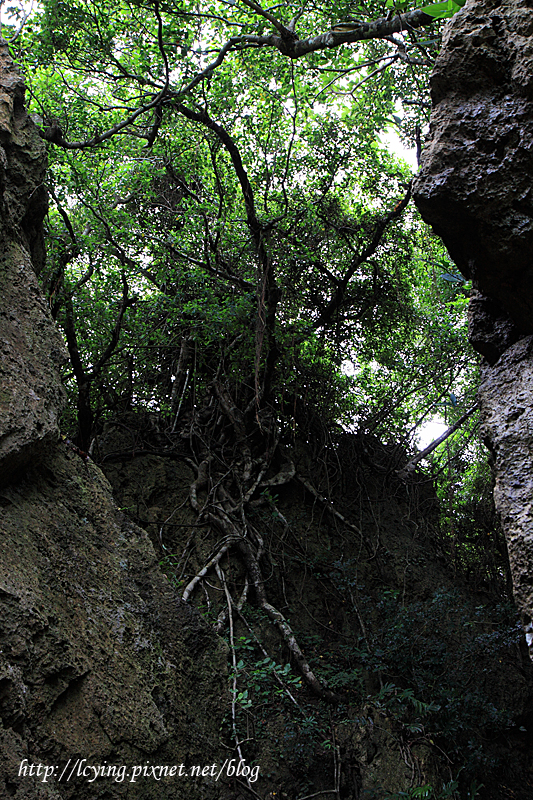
329	507
236	418
229	489
222	579
223	616
282	625
213	562
255	579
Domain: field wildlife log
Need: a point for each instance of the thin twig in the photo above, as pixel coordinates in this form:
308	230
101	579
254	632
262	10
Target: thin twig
222	579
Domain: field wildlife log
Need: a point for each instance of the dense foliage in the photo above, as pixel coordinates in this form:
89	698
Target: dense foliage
431	687
250	214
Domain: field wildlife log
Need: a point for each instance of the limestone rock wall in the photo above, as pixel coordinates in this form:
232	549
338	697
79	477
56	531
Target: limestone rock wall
30	346
99	659
506	394
474	186
475	189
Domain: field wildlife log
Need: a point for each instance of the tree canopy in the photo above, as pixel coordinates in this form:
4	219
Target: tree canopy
217	180
227	228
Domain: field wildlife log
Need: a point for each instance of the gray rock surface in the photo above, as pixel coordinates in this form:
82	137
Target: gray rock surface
506	394
474	185
30	346
490	330
99	658
475	189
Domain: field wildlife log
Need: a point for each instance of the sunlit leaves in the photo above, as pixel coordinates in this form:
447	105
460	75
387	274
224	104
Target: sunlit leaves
443	10
170	212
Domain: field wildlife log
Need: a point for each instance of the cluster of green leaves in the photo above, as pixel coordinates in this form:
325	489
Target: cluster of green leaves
402	379
442	10
299	734
130	214
172	218
432	664
258	677
471	529
436	661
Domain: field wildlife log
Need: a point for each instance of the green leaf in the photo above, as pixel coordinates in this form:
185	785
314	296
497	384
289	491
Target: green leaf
444	9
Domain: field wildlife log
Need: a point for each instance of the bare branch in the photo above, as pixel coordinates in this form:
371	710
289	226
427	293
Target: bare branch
22	24
64	215
410	466
329	506
390	59
126	303
235	43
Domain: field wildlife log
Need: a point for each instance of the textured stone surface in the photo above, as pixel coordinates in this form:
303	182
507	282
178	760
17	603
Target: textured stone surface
506	395
31	349
490	330
474	186
99	659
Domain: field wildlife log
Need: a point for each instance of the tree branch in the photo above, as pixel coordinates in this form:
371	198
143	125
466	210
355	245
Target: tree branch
126	302
409	468
351	32
267	291
287	43
54	134
325	317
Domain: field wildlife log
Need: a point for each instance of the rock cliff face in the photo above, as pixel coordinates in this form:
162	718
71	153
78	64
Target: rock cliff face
32	350
474	188
99	660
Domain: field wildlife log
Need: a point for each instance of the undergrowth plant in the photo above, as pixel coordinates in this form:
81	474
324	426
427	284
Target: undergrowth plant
428	660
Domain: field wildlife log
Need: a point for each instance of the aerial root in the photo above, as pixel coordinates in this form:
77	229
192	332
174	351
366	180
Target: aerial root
213	562
282	625
220	511
329	506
